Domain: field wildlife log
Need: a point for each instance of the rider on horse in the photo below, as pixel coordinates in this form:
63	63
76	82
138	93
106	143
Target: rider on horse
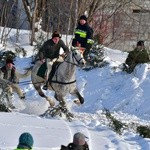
50	51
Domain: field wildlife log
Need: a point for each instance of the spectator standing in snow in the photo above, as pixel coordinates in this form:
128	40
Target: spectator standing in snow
79	143
83	36
25	141
8	73
137	56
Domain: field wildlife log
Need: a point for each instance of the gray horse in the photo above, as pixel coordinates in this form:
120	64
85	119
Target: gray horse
63	81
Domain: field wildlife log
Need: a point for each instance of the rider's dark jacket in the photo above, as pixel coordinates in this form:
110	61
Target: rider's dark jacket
72	146
51	50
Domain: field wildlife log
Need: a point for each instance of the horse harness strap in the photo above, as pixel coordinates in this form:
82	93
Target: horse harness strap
78	61
56	81
59	82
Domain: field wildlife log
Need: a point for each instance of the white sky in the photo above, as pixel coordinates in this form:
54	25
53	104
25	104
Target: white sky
125	95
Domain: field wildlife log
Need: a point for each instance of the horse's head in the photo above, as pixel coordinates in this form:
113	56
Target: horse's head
77	56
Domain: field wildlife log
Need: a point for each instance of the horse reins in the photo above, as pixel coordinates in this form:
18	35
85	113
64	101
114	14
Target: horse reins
59	82
78	61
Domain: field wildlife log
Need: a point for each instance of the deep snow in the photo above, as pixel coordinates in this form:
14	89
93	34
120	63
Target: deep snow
125	95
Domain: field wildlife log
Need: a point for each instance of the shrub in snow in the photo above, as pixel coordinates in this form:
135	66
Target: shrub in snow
4	101
96	57
115	124
6	55
144	131
20	51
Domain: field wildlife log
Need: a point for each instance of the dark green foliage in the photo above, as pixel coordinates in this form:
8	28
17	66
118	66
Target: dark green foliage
21	51
4	101
96	57
11	55
144	131
4	108
117	125
7	55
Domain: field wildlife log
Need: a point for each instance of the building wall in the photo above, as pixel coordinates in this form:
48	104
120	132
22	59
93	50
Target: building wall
132	24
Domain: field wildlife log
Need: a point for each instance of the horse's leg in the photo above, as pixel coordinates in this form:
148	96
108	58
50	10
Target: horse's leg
78	95
60	99
62	103
62	108
41	93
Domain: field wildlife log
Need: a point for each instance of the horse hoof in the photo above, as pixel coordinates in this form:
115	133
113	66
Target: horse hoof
22	97
77	102
82	101
41	94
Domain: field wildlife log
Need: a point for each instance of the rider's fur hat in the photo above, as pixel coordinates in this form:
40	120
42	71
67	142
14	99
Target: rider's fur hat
56	34
79	139
9	61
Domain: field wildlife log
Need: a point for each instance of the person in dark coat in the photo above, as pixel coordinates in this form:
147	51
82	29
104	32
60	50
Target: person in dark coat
25	142
8	73
50	51
79	143
137	56
83	36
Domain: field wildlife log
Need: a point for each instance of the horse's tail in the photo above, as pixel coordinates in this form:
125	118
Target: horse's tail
28	68
26	74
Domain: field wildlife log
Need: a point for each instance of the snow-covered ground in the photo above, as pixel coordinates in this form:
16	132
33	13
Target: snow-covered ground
127	96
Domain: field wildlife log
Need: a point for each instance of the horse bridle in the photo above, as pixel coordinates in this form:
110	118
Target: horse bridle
74	57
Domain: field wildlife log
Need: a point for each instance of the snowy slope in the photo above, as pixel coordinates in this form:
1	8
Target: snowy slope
125	95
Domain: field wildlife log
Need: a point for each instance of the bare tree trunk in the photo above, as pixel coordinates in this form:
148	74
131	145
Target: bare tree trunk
6	17
69	22
27	8
34	14
33	22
